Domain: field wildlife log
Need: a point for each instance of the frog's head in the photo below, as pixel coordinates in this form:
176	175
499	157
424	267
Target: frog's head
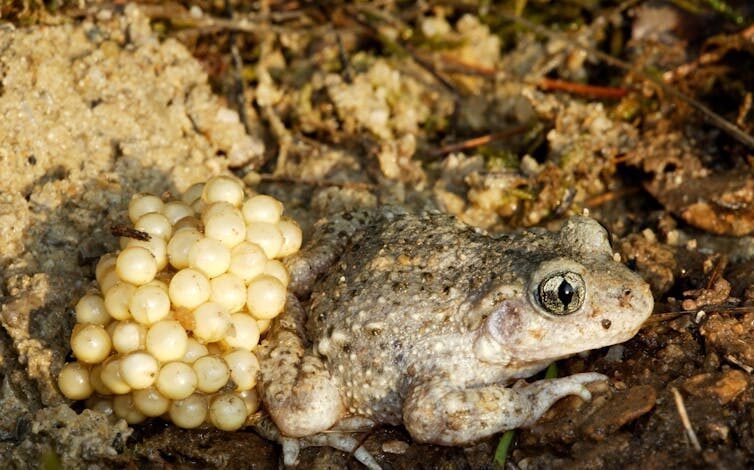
575	298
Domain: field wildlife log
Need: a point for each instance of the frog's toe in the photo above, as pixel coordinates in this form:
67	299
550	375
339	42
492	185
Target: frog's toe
544	393
587	377
341	440
344	443
291	449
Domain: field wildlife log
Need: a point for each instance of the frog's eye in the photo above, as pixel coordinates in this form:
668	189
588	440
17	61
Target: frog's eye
562	293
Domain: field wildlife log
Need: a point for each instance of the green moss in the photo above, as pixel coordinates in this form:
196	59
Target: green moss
499	159
51	461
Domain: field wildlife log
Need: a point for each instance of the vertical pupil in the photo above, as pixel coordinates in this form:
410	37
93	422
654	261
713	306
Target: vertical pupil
565	293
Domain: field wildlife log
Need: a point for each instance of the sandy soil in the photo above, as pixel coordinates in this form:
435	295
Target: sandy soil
89	115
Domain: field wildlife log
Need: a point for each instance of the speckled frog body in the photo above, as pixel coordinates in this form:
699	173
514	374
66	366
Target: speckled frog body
421	320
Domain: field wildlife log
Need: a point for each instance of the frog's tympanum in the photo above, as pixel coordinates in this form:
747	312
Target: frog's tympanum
421	320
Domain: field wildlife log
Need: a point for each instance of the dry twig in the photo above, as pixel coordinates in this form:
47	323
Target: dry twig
239	86
717	309
477	141
582	89
121	230
685	419
611	196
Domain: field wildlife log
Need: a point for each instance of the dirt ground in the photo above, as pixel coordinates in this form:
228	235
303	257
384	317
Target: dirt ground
430	105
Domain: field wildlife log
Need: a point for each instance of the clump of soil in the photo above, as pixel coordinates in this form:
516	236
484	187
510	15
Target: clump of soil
89	115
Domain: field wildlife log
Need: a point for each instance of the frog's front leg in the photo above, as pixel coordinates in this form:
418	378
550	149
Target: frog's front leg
296	387
330	239
438	413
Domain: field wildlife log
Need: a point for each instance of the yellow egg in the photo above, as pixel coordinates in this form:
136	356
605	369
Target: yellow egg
267	236
90	343
262	208
139	369
91	309
194	351
244	332
176	381
149	304
136	265
210	257
179	246
277	270
167	341
212	373
247	261
211	322
175	211
156	246
95	378
155	224
189	288
244	368
128	336
142	204
229	291
250	399
223	188
110	376
123	406
227	412
190	412
104	265
74	382
265	297
193	193
292	237
150	402
227	227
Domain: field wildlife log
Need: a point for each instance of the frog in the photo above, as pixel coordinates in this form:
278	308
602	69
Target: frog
420	320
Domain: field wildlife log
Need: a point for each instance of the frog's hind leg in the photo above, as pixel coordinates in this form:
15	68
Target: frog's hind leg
295	386
339	440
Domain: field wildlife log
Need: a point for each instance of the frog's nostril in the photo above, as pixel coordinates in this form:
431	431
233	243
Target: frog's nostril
606	324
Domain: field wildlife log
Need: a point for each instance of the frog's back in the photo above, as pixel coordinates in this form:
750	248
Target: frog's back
396	273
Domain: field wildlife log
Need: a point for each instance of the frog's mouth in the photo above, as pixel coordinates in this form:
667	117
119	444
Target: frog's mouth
514	334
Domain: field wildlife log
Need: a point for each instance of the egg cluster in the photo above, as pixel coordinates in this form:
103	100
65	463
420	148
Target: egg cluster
172	328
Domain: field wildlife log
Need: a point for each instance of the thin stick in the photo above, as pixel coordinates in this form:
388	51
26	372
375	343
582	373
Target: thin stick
730	358
717	271
454	65
581	88
610	196
239	95
239	86
685	419
719	309
477	141
121	230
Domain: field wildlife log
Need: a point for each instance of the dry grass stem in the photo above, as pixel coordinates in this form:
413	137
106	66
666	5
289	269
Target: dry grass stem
685	419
